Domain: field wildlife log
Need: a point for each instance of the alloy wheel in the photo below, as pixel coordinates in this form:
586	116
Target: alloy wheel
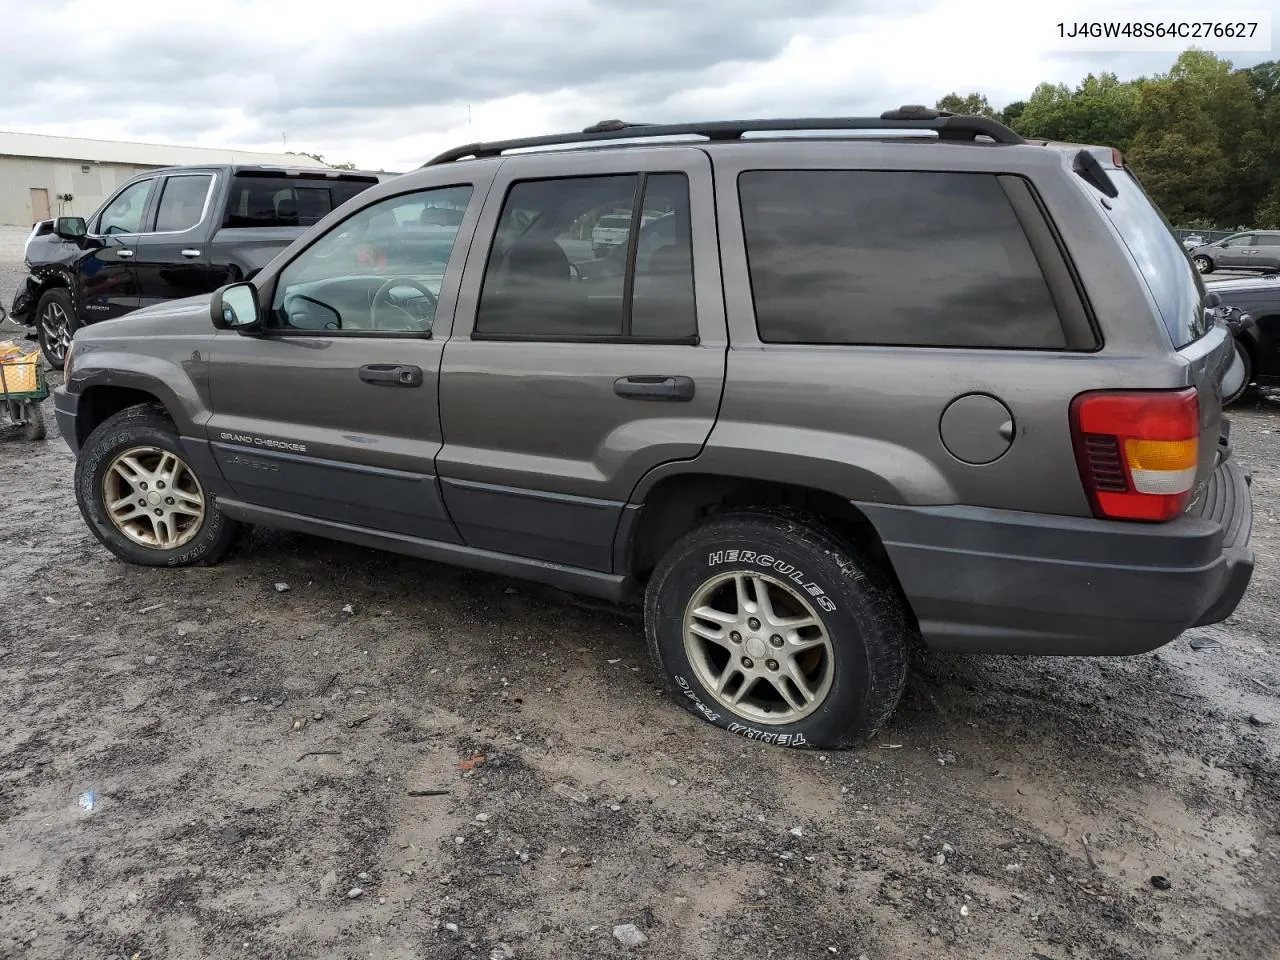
153	498
56	326
758	647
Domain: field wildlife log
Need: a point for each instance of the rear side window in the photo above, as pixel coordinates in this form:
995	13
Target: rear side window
285	201
1174	284
892	258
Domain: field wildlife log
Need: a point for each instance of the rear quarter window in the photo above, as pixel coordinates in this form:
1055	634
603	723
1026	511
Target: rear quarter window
892	258
1175	286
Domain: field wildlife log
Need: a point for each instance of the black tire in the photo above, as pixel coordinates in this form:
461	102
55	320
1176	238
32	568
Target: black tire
144	426
55	303
1203	264
1242	354
858	607
34	429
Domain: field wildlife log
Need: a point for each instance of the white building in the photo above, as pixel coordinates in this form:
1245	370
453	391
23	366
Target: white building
42	176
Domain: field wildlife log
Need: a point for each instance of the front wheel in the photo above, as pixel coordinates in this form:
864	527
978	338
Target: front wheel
769	624
1203	264
142	499
56	324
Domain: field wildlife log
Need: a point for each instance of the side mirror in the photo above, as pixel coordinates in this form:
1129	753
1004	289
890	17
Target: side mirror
70	228
235	307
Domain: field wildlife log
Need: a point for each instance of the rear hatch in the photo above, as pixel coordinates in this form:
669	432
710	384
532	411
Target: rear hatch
1179	295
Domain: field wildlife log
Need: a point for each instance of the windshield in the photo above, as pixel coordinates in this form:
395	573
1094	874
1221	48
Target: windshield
1174	284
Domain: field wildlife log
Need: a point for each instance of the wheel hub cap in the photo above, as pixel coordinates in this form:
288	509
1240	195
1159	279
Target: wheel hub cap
758	647
153	498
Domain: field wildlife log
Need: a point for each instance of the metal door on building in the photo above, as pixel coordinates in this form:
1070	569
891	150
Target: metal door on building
39	204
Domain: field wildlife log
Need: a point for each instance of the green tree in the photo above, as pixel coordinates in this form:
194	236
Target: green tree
1009	115
316	156
1101	110
974	104
1194	126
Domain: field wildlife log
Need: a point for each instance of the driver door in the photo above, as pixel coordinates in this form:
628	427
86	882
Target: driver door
330	411
1237	251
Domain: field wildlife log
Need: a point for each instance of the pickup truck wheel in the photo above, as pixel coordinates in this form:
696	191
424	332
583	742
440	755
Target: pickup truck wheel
142	499
769	624
56	323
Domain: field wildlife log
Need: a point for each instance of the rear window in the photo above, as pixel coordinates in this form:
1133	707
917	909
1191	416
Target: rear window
892	258
285	201
1174	284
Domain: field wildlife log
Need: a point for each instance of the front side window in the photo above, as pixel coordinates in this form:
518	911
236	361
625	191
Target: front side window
1240	240
124	213
182	203
892	258
579	259
378	271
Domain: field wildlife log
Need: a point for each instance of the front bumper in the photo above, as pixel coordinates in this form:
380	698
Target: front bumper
65	407
997	581
23	310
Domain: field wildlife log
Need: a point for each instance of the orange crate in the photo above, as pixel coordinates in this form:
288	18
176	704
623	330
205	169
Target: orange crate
20	374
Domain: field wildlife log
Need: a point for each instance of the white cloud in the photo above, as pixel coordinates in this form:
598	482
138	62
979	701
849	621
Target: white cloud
390	86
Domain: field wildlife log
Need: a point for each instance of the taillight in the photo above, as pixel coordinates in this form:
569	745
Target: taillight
1117	157
1137	450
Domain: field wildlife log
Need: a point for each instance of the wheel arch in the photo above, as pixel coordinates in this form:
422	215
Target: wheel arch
104	395
678	502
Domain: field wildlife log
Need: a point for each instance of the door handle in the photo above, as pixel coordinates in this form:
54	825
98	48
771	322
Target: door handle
654	388
124	254
190	254
392	374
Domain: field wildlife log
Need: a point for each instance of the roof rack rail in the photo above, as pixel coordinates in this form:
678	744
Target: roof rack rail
948	126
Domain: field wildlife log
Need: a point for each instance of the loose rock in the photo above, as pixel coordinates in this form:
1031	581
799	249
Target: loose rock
355	893
1161	883
150	661
629	935
1258	720
281	587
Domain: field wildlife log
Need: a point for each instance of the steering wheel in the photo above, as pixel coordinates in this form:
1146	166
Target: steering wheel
382	298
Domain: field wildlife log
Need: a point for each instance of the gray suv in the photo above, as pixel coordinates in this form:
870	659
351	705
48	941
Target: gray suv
940	384
1256	250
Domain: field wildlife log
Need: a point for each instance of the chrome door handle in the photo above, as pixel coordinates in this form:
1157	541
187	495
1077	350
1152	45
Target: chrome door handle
124	254
189	253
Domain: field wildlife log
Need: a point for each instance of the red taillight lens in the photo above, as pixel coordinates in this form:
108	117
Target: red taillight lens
1137	450
1117	157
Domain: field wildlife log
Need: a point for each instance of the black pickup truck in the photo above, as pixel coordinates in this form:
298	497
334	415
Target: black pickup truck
168	233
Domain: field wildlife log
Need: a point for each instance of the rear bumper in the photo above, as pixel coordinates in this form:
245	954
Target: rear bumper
996	581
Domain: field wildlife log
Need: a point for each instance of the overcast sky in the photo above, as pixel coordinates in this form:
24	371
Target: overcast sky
388	83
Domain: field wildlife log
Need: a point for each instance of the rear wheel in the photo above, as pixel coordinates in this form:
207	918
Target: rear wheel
143	500
56	324
770	625
1203	264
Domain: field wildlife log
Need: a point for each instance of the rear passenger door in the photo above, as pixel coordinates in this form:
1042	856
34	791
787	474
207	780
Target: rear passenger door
170	256
569	376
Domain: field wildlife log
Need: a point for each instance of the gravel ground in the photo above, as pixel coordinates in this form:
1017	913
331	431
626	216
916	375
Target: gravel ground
251	754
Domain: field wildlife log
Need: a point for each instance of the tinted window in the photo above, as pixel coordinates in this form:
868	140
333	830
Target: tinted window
558	266
379	270
285	201
1240	240
124	213
1174	284
892	258
182	202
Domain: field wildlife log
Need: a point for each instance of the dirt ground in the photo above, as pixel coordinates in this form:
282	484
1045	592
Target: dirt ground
251	752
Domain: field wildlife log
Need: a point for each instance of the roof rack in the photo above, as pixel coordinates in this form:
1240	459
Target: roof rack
948	126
